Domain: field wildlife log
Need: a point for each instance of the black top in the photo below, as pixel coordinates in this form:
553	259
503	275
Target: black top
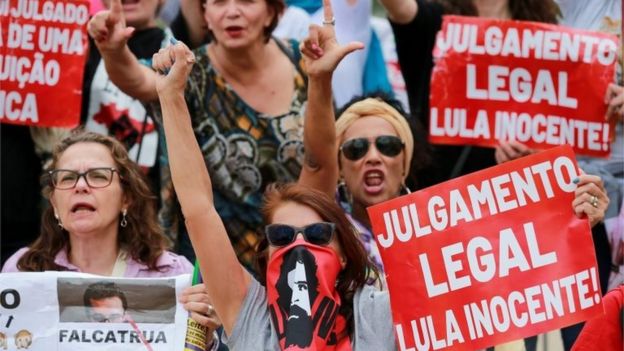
20	191
414	44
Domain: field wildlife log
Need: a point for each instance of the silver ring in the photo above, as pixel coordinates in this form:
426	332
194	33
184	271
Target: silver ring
594	201
330	22
210	310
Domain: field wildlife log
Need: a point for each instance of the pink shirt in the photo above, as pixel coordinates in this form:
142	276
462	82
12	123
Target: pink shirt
169	264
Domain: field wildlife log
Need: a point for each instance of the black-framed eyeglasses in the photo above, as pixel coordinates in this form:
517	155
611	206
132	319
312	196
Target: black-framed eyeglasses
388	145
100	177
319	233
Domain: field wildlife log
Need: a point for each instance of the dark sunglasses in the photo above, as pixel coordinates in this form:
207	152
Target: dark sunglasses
388	145
319	233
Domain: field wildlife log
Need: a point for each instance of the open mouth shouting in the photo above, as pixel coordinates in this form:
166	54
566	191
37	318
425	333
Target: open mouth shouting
373	181
82	207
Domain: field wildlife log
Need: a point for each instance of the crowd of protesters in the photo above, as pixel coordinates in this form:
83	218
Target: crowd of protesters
244	150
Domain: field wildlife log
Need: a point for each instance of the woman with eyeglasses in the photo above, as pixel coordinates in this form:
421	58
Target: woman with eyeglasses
312	291
102	220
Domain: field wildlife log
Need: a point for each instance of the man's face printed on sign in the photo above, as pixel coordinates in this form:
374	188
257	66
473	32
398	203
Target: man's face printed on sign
107	310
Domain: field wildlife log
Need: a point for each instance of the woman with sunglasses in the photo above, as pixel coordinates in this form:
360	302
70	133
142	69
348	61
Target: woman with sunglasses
312	291
102	220
376	149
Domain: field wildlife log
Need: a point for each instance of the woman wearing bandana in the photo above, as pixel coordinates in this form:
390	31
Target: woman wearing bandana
313	293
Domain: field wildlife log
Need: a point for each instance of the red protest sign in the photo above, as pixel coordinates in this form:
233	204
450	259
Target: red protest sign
494	256
43	47
540	84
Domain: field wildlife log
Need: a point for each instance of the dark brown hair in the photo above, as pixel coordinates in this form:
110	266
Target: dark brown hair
104	290
277	6
358	268
546	11
142	238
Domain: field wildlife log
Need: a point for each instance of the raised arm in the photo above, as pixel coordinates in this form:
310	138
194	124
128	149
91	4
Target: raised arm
225	279
321	53
110	33
400	11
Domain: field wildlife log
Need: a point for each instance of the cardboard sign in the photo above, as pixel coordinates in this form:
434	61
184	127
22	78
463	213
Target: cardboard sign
490	257
539	84
75	311
43	46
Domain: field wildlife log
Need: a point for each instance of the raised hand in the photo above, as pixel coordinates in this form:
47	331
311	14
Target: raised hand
108	28
174	63
320	50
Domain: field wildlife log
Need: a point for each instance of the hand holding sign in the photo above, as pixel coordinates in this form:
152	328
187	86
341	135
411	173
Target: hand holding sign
590	198
196	300
320	50
108	28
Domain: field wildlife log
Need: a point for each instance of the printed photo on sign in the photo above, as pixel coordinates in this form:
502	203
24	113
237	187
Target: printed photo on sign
75	311
114	301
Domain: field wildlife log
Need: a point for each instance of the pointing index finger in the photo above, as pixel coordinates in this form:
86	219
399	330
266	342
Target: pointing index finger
328	12
116	12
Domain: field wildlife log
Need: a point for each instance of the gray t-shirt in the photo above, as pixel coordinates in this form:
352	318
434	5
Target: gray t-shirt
371	309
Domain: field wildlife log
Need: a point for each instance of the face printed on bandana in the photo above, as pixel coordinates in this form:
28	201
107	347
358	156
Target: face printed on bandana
297	294
302	298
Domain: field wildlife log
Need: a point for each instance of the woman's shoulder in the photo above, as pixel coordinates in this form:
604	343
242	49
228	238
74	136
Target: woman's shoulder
11	263
252	329
290	48
371	294
373	320
174	262
168	263
372	305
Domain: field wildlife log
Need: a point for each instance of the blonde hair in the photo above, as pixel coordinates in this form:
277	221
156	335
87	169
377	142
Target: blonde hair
372	107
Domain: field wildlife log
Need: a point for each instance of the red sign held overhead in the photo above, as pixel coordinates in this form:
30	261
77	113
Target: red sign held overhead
43	46
540	84
490	257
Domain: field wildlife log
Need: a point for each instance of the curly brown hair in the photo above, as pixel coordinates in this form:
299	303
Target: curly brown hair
142	238
359	269
546	11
